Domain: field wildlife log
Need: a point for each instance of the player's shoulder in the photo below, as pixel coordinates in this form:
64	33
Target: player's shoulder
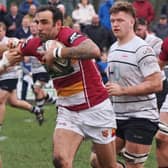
68	36
113	46
151	38
138	42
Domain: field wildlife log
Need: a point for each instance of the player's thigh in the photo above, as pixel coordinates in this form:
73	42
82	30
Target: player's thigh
66	143
106	153
162	134
136	148
13	99
140	131
4	94
164	117
120	143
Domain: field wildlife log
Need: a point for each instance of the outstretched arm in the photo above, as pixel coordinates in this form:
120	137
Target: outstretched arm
87	49
9	58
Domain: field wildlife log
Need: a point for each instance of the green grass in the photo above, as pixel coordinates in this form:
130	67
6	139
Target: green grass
30	146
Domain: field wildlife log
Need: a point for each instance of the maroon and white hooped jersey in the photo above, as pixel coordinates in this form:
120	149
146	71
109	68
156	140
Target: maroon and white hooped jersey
80	88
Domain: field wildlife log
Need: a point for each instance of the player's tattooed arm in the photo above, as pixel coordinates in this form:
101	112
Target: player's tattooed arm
86	50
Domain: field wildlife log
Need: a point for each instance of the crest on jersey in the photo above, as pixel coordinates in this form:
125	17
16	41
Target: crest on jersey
148	50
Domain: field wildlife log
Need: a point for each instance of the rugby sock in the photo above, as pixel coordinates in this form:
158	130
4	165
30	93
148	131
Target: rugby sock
121	164
50	99
39	114
35	109
40	102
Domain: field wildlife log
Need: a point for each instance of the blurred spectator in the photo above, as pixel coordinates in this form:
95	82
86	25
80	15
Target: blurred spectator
142	31
3	36
104	14
54	2
76	26
31	12
161	28
23	31
69	7
100	35
83	13
4	2
13	19
2	12
164	9
102	65
24	6
67	19
144	9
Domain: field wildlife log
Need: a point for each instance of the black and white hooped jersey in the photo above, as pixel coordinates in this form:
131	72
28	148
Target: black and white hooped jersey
128	65
156	43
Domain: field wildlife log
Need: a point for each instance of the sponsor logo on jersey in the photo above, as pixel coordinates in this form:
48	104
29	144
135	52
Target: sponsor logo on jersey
73	37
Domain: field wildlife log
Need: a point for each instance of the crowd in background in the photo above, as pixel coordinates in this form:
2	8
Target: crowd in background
83	16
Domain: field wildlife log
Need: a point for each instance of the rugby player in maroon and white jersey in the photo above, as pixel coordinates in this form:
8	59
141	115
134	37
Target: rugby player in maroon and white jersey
162	135
84	109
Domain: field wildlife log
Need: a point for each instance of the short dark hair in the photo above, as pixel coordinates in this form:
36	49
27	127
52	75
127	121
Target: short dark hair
123	6
57	14
141	21
163	16
13	4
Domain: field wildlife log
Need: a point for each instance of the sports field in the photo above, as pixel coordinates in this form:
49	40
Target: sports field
27	145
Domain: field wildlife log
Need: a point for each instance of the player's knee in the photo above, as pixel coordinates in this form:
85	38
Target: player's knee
133	158
60	162
2	101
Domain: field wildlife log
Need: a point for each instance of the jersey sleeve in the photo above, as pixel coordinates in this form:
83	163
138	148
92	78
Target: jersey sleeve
30	47
147	61
164	51
70	37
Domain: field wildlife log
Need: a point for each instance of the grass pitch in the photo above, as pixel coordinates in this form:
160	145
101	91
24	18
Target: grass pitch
28	145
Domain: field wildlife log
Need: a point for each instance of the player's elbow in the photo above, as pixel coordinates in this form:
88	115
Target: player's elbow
96	52
90	49
155	82
158	85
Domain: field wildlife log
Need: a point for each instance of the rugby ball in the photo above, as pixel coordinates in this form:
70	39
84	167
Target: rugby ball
60	66
53	43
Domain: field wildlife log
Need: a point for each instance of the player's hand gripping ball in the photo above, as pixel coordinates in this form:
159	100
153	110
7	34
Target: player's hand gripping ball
60	66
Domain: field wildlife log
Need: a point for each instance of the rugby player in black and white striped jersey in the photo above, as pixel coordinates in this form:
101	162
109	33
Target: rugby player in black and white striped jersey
134	78
162	97
8	83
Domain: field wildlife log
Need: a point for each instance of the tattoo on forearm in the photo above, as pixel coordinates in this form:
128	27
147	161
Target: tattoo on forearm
84	51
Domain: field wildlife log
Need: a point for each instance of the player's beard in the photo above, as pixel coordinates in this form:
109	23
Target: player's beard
43	37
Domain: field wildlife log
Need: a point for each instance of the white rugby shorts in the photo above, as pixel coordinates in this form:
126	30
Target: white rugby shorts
97	123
